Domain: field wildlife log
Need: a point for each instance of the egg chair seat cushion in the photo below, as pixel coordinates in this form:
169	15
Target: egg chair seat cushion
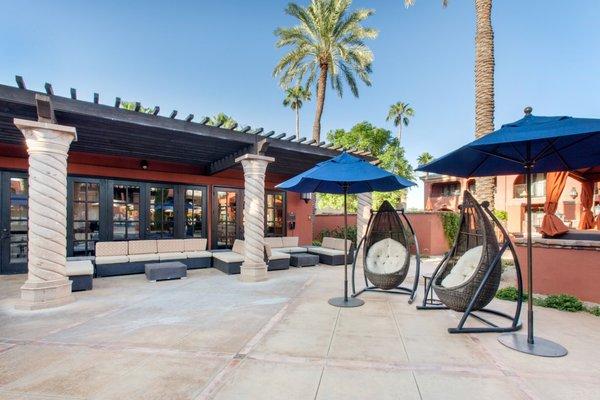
387	256
464	268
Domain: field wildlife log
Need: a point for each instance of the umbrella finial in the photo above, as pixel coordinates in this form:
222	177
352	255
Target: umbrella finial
528	110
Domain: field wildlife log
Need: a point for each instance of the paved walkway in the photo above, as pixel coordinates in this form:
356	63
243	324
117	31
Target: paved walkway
210	336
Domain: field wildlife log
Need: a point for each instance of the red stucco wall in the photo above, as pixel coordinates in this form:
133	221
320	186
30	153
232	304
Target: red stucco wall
563	270
332	221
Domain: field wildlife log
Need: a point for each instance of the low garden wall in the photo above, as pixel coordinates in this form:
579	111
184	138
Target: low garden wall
563	266
427	225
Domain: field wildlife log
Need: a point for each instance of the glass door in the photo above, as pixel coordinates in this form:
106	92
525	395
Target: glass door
161	218
14	191
227	217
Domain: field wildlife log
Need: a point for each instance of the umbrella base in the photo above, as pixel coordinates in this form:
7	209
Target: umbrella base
343	302
539	347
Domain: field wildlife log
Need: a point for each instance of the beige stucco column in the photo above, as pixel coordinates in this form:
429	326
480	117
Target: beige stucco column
254	268
47	284
363	213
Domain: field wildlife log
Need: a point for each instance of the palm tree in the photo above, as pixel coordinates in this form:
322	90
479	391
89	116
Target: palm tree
400	113
223	120
328	42
484	84
294	97
424	158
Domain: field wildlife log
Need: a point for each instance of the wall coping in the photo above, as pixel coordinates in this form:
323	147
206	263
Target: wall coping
561	243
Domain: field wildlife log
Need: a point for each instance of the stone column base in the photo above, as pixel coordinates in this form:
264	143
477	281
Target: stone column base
253	272
47	294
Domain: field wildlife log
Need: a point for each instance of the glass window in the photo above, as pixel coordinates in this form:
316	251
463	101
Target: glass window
274	214
162	212
19	189
86	217
194	213
126	212
226	218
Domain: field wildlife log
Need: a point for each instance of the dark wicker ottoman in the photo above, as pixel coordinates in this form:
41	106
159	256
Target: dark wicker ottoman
166	270
303	260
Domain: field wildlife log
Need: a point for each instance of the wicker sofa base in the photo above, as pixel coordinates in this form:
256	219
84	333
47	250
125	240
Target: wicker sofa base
127	268
196	263
228	268
333	260
81	282
276	265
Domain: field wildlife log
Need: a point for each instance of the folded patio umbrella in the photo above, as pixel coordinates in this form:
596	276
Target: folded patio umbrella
345	174
530	145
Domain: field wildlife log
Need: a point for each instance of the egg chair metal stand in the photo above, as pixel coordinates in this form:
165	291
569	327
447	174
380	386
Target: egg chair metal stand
386	223
476	228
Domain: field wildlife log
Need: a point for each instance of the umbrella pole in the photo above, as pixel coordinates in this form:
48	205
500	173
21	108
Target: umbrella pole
528	343
345	301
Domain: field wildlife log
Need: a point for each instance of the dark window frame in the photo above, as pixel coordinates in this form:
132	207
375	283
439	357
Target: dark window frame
284	212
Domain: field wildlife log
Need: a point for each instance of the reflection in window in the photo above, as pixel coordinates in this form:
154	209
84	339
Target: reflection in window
86	217
19	189
193	213
274	215
162	212
126	212
226	218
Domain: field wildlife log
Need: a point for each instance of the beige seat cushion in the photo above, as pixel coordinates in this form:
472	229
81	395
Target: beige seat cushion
290	241
386	256
274	242
277	255
82	267
194	244
326	251
142	246
112	259
111	249
198	254
228	257
143	257
169	246
238	247
171	256
464	268
292	249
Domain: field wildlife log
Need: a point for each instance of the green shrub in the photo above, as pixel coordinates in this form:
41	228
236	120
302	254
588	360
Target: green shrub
501	215
450	223
563	302
593	310
337	232
509	293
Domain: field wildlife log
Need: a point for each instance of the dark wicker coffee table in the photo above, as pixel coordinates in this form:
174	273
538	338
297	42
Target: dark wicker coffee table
165	271
303	260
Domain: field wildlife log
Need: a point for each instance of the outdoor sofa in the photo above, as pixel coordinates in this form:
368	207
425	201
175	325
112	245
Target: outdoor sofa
331	251
287	244
80	273
130	257
230	262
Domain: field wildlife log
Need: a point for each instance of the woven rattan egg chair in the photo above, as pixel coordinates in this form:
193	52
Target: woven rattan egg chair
477	227
390	232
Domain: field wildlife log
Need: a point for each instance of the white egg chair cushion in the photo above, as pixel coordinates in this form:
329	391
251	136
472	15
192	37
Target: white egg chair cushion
386	256
464	268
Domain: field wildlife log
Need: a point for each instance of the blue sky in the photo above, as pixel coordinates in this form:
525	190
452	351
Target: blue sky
204	57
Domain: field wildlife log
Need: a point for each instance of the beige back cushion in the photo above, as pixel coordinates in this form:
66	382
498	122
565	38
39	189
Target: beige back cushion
335	243
169	246
142	246
268	251
290	241
194	244
238	247
274	242
106	249
328	242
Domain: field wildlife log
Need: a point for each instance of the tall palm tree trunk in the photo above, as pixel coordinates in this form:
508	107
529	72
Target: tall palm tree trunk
484	87
400	134
320	102
297	123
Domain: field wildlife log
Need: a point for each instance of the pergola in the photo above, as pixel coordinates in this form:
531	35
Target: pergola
51	126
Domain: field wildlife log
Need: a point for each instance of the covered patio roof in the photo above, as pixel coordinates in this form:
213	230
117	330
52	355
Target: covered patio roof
112	130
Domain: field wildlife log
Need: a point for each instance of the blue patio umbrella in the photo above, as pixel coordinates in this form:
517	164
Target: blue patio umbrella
530	145
345	174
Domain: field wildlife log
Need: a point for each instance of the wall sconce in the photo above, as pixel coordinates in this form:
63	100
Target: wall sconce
573	193
306	197
144	164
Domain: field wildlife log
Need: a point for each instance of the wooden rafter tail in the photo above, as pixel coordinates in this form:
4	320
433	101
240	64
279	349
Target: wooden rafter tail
173	114
233	126
117	102
245	129
258	131
20	82
189	118
204	121
74	93
289	139
96	98
311	141
269	134
303	139
281	135
138	106
320	144
156	110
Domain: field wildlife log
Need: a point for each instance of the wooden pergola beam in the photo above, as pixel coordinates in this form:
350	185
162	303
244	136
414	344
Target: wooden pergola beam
227	161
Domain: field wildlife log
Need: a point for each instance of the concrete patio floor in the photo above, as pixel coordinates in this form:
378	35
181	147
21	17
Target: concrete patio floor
211	336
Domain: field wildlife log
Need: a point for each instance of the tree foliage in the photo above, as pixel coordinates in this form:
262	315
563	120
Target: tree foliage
424	158
382	144
130	105
225	120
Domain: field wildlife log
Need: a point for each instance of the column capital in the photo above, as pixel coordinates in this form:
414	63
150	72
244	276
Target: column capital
254	157
45	136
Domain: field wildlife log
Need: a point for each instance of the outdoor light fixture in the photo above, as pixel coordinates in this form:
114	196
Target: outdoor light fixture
573	193
306	197
144	164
